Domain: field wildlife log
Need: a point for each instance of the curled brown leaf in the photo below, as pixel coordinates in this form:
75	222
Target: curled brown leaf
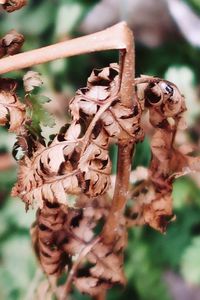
153	196
11	43
12	5
46	235
31	80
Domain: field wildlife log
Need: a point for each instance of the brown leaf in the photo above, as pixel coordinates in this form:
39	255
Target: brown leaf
48	174
102	85
34	186
108	265
95	207
60	236
12	5
95	165
97	179
12	111
153	205
47	233
153	196
90	285
11	43
122	122
169	161
164	101
58	169
81	222
31	80
79	232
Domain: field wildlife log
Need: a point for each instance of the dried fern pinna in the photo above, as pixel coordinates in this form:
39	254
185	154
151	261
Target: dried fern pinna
68	179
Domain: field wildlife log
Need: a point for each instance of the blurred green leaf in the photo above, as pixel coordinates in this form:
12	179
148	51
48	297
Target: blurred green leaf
185	191
142	273
17	267
191	261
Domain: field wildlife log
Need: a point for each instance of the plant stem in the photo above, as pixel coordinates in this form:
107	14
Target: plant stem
114	37
124	150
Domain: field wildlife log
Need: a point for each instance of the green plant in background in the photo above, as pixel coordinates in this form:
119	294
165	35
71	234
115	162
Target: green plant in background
149	254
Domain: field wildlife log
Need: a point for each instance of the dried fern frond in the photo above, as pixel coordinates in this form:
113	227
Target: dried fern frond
47	234
78	160
60	237
166	106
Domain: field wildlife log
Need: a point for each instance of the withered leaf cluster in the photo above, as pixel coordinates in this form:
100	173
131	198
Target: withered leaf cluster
153	196
77	159
67	179
62	237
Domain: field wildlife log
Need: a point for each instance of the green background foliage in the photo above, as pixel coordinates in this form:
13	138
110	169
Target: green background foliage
149	254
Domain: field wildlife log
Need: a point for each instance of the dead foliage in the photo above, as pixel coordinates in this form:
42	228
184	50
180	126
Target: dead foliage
68	178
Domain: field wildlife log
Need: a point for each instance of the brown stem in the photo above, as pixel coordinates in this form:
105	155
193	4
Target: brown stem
120	193
127	67
114	37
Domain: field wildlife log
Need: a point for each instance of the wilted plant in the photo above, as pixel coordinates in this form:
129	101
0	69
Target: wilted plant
82	220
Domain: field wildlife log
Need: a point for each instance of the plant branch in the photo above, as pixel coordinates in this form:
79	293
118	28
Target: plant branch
112	38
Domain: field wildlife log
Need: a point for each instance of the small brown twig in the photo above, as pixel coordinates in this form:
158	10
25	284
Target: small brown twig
75	266
112	38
